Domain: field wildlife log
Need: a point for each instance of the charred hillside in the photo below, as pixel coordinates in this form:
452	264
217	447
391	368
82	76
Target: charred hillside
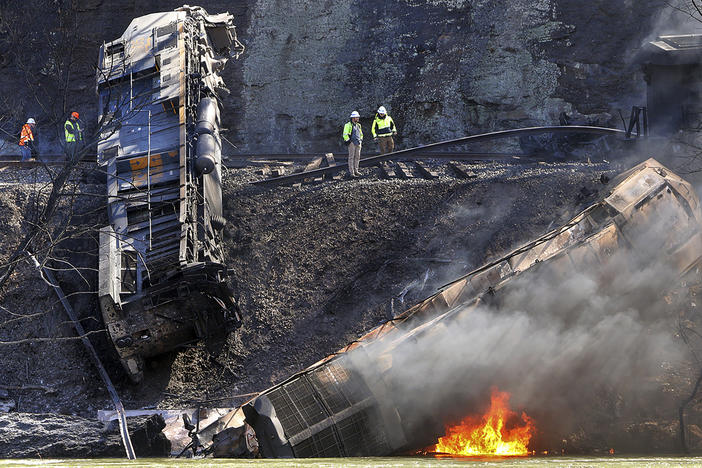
315	267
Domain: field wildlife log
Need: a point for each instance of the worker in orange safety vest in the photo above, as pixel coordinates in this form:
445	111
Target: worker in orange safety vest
74	135
26	142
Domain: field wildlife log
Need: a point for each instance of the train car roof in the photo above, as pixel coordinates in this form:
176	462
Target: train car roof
679	49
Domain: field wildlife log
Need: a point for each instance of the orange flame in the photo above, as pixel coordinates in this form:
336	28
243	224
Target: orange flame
486	434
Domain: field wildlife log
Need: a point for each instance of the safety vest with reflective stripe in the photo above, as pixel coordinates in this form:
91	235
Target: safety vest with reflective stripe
71	131
348	129
26	135
383	127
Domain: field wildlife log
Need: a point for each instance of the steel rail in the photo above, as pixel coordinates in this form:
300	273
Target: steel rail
124	432
257	157
51	160
371	161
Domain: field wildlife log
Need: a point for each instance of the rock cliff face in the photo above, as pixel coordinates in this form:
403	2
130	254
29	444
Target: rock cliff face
444	68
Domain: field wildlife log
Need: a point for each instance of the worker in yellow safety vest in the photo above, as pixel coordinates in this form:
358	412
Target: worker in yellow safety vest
26	142
353	137
383	130
74	135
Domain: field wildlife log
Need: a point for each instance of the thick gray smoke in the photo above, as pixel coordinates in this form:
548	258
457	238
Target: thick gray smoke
676	17
554	339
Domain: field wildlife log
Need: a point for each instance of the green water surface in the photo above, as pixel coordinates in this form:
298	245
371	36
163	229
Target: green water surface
413	462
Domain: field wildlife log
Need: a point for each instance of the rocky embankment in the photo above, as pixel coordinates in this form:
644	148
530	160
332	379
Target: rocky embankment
314	267
31	435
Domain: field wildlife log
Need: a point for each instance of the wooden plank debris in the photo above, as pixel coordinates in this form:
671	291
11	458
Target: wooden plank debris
404	171
278	171
268	162
264	162
314	164
462	170
426	171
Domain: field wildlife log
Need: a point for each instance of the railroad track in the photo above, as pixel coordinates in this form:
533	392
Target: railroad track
259	157
320	167
10	161
315	173
425	154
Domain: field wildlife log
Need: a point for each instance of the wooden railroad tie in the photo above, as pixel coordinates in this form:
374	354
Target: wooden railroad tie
312	165
317	163
332	162
404	171
387	169
462	170
426	171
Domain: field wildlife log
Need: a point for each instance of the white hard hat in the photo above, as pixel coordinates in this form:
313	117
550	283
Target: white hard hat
355	114
31	121
381	110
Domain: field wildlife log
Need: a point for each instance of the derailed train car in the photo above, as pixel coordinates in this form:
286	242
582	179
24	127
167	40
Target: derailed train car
162	280
347	404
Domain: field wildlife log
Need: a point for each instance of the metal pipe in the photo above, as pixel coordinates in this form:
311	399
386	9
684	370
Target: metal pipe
124	432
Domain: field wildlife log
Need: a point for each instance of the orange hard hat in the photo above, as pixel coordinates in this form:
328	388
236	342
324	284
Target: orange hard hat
75	114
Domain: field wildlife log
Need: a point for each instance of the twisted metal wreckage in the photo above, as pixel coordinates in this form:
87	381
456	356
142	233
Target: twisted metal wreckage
347	404
162	277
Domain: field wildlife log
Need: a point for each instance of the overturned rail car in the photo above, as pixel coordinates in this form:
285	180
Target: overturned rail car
162	280
348	403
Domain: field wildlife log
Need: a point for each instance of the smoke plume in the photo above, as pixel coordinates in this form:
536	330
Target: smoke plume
556	340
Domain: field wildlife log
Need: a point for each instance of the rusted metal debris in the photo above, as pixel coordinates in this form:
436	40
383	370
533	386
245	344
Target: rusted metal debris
331	409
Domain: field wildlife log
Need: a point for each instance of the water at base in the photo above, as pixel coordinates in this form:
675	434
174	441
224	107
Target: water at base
398	462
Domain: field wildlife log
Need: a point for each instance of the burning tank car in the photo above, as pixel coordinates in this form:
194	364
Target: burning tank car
162	281
348	404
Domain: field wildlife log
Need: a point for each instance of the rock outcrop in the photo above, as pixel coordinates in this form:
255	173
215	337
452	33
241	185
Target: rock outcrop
444	68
